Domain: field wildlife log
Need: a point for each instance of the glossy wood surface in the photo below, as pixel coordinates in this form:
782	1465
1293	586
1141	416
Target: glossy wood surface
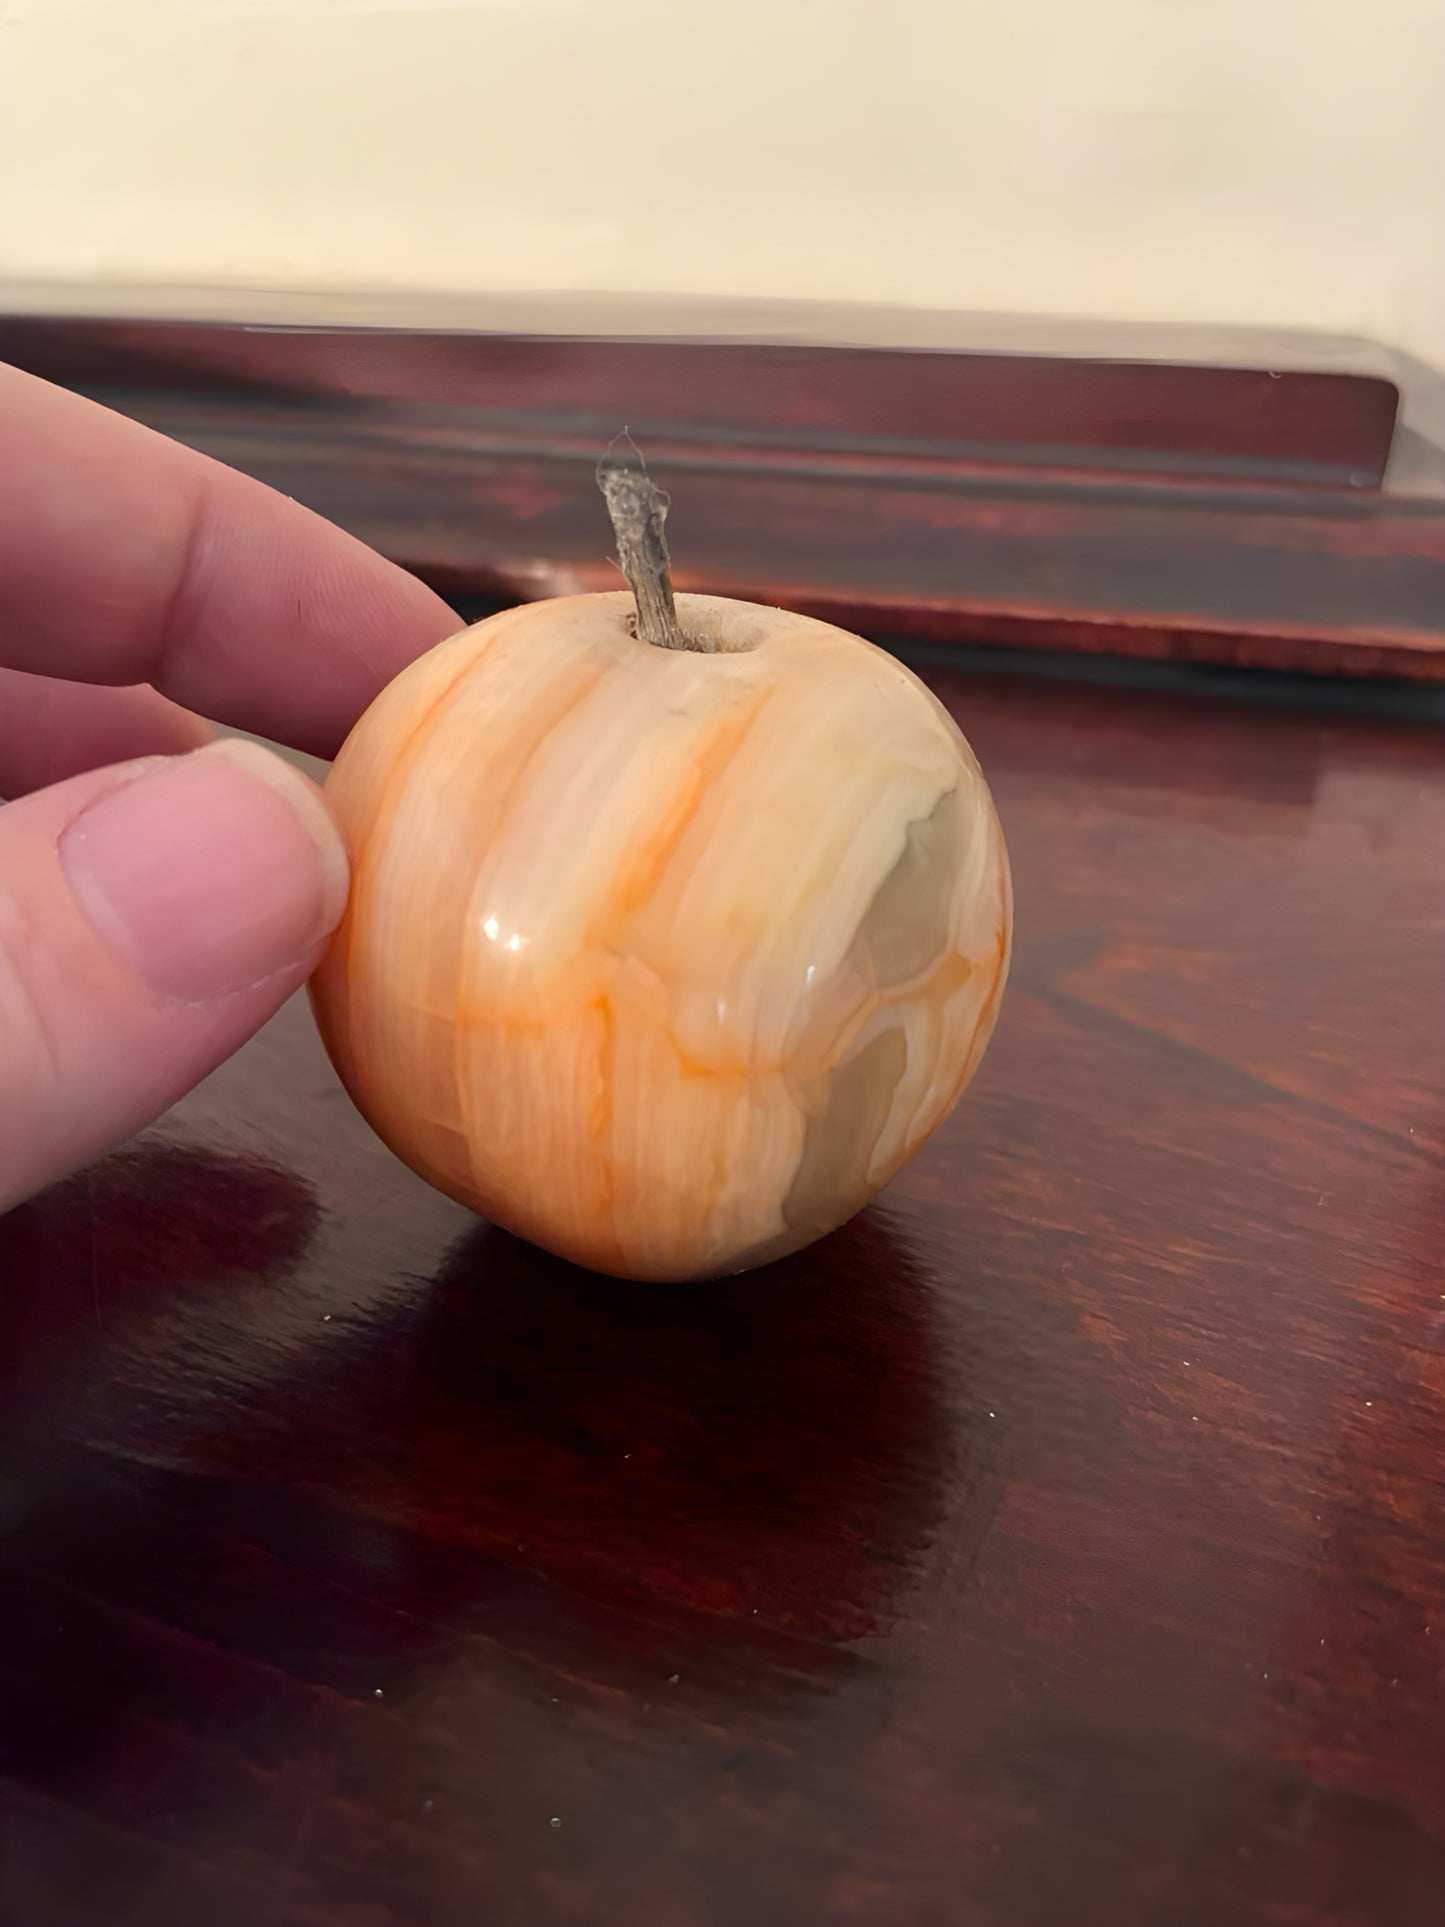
771	400
1130	506
1063	1542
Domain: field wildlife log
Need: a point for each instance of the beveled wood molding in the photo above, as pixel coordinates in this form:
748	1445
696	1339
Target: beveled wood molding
1195	510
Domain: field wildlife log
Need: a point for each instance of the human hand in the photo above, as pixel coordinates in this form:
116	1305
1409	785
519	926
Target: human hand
161	893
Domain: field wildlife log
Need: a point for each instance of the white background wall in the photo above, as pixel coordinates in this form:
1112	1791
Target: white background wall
1232	161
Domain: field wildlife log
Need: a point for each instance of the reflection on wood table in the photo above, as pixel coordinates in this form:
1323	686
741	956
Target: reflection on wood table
1062	1542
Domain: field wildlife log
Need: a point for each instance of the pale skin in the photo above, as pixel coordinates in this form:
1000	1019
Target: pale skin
161	894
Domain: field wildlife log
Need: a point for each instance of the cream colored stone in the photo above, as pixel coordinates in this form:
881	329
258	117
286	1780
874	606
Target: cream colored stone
664	960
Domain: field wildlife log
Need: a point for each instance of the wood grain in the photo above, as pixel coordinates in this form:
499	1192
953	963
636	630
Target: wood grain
1060	1542
961	411
1222	514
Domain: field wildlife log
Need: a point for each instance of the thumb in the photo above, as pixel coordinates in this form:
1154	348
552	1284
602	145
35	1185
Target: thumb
152	916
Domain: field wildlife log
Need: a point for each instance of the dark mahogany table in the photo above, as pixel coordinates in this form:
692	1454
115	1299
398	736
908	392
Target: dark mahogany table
1061	1543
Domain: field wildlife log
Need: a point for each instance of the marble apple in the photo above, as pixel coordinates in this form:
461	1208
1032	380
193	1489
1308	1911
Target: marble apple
677	924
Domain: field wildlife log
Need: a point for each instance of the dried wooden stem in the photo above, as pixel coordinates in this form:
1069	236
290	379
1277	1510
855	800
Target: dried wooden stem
638	509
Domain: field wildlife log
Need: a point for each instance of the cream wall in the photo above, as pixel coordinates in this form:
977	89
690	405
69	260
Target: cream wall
1208	161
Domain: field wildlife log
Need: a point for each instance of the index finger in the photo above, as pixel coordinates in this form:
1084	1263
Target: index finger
128	558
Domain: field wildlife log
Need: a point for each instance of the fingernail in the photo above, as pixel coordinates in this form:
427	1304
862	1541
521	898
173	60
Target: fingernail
208	872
